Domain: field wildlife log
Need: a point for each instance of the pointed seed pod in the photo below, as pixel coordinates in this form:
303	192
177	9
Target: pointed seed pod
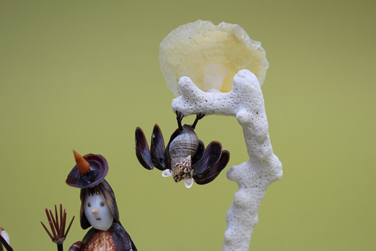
82	165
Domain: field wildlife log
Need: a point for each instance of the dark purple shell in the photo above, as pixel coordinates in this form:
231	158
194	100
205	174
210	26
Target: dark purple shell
96	174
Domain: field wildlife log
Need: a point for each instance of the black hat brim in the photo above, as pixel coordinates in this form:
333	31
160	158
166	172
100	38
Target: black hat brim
96	174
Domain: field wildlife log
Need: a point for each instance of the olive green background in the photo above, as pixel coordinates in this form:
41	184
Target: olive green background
84	74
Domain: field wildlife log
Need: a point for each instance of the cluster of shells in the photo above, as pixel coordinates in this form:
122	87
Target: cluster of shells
210	55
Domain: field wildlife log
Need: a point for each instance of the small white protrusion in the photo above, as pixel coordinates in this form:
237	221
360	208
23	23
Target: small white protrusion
188	182
167	173
187	162
5	235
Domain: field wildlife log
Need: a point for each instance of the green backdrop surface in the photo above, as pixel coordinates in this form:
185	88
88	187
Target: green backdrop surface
84	74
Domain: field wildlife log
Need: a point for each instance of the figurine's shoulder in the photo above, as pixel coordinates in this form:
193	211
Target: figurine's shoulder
121	238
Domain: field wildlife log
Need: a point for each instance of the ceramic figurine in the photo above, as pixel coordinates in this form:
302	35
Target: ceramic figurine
98	207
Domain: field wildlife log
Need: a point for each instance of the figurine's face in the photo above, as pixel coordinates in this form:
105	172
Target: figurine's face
97	212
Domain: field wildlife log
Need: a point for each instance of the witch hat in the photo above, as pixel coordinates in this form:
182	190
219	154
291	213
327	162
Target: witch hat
89	171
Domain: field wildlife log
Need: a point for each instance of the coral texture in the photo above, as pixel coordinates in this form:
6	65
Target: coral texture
245	102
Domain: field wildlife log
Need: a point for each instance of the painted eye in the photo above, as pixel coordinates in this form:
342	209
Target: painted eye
102	204
89	204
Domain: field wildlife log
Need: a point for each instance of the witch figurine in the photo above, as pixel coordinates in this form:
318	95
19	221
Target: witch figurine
98	207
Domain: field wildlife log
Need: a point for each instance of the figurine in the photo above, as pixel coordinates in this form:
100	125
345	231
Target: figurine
98	207
185	156
219	69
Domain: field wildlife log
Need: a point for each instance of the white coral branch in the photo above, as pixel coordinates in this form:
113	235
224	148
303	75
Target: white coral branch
246	103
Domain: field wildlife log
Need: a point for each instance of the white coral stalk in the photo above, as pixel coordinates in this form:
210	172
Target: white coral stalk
245	102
